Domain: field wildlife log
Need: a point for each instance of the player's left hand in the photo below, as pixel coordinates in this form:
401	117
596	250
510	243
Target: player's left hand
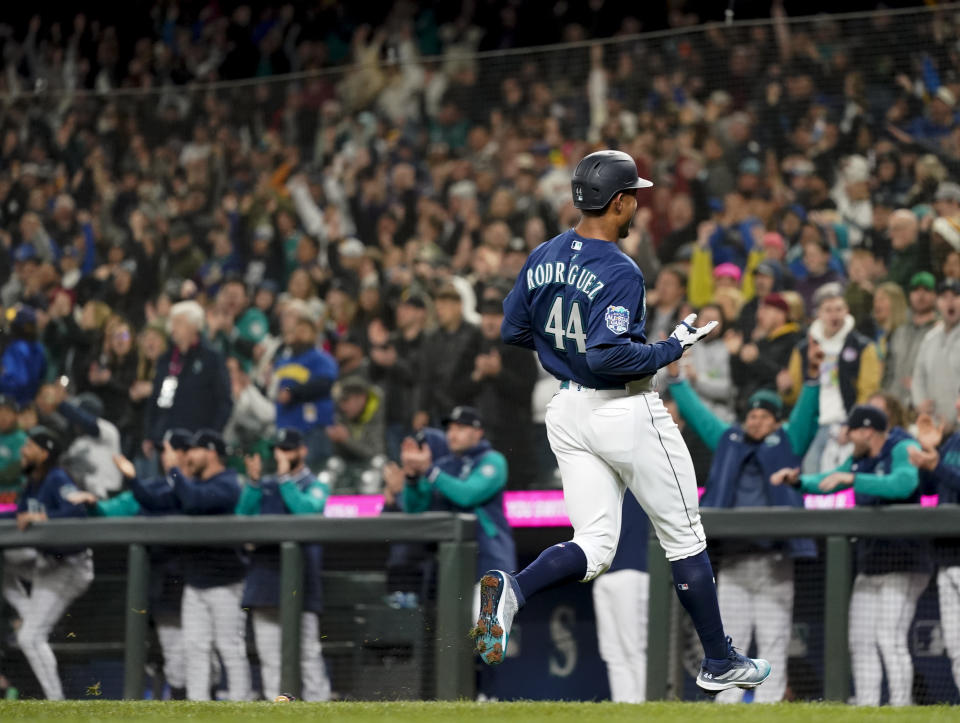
834	480
688	335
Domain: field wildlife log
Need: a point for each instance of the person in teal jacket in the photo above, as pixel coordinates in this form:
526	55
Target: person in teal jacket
891	573
469	479
755	583
293	490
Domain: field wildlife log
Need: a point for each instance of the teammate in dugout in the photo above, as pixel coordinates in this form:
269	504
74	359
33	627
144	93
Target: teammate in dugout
152	497
891	573
57	575
471	478
755	581
213	576
293	490
939	465
580	303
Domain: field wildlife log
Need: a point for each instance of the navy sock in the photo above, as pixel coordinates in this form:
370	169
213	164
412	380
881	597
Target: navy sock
697	590
557	564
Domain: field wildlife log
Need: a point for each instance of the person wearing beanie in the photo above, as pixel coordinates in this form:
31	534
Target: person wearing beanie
57	575
891	573
936	373
756	362
755	574
904	342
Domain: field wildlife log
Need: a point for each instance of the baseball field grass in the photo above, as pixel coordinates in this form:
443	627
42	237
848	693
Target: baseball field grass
428	712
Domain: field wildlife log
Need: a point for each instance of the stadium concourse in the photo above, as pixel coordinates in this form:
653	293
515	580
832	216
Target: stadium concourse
216	224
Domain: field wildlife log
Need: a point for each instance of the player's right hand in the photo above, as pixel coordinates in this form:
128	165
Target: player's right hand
787	475
687	335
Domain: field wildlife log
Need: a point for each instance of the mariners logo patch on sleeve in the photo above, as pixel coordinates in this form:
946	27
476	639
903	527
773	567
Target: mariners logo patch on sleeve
617	319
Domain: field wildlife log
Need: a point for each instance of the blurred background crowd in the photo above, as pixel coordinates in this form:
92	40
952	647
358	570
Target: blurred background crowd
346	234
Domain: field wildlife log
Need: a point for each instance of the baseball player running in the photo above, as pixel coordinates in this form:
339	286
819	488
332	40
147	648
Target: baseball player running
57	575
580	303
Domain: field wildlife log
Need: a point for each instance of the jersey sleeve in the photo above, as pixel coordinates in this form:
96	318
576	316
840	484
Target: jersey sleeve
611	349
516	328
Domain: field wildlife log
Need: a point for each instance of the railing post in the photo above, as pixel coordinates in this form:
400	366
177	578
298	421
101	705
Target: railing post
291	609
836	663
456	570
659	623
135	648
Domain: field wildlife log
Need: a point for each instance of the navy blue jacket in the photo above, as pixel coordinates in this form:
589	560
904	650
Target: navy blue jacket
156	497
49	495
202	399
944	481
209	566
886	479
784	447
634	535
262	586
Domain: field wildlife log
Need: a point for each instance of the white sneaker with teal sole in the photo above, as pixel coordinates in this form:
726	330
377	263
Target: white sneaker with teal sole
498	605
734	671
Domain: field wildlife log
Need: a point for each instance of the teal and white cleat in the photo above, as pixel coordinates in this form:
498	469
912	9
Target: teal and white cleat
734	671
498	605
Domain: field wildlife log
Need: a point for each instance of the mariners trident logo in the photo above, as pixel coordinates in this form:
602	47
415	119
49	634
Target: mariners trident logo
617	319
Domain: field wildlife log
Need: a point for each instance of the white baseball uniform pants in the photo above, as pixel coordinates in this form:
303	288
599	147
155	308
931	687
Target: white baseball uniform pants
313	671
170	635
948	591
620	603
606	441
212	617
755	592
55	584
881	610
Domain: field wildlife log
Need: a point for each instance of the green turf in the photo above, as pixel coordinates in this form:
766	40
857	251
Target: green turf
417	712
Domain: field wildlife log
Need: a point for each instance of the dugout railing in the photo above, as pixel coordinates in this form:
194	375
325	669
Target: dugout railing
835	531
454	536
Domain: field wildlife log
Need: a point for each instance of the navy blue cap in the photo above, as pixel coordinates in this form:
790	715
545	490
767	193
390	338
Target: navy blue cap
946	285
90	403
288	438
863	416
180	439
47	439
467	416
209	439
23	316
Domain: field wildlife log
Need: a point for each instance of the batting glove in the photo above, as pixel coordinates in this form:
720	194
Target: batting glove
687	335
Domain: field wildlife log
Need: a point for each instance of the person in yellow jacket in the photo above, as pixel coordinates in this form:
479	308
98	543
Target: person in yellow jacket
851	372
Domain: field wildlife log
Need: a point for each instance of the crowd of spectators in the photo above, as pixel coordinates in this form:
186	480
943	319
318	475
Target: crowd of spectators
337	245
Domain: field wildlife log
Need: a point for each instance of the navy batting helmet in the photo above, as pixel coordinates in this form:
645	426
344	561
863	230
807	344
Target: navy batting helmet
602	175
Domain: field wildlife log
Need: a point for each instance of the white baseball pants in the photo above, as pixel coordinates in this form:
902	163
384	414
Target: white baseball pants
948	591
313	671
55	584
881	610
755	592
170	635
620	603
212	617
606	441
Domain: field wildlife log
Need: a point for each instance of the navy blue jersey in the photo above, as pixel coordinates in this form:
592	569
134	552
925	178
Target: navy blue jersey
580	303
